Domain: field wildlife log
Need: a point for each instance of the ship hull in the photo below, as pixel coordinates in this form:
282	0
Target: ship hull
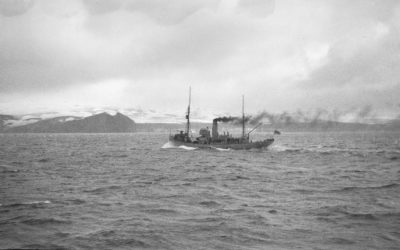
236	146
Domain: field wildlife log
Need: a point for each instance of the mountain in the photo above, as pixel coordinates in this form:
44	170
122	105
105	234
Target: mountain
3	121
100	123
119	123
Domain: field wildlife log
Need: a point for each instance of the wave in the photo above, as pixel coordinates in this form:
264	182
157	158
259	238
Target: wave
371	216
39	202
4	171
77	201
114	156
218	149
209	203
304	191
340	241
44	246
30	203
114	240
44	221
8	169
161	211
102	189
392	185
205	220
311	149
390	154
282	148
221	149
43	160
332	213
361	216
170	145
187	148
393	157
238	177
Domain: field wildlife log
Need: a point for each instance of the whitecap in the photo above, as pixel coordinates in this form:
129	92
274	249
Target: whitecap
36	202
28	203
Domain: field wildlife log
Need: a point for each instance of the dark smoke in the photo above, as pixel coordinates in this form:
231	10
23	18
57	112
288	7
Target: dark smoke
315	118
233	119
283	118
226	119
263	115
365	111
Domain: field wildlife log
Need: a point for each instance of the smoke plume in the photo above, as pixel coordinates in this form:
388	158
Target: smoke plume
232	119
313	118
225	119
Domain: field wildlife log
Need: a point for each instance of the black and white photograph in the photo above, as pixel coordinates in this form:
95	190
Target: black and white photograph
200	124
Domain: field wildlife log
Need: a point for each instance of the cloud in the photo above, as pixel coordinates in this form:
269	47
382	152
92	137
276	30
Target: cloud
281	55
361	67
257	8
98	7
374	63
67	49
163	12
10	8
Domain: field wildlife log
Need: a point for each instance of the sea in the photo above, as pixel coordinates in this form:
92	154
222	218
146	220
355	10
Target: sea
308	190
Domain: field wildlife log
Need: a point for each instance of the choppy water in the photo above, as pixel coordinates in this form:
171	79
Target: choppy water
124	191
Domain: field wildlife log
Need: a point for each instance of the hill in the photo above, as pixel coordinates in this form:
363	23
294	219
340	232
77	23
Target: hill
100	123
3	121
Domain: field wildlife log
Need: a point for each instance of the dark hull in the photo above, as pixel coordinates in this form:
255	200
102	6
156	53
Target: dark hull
249	145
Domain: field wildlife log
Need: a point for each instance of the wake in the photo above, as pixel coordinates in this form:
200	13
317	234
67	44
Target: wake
170	145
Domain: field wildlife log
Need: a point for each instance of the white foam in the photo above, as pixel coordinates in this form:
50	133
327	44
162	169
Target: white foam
186	147
168	145
37	202
279	148
222	149
172	145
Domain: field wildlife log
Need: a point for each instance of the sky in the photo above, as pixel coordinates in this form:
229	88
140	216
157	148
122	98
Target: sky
139	57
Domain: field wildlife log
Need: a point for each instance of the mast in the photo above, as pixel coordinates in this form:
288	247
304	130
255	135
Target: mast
188	113
243	117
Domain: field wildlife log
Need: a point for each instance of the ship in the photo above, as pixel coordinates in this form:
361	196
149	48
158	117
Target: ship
212	139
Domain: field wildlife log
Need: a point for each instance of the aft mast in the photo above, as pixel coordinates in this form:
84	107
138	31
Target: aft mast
188	114
243	122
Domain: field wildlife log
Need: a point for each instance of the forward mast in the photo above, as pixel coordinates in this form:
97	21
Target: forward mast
188	114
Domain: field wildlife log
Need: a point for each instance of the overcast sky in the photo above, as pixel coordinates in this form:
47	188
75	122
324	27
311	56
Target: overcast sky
142	55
